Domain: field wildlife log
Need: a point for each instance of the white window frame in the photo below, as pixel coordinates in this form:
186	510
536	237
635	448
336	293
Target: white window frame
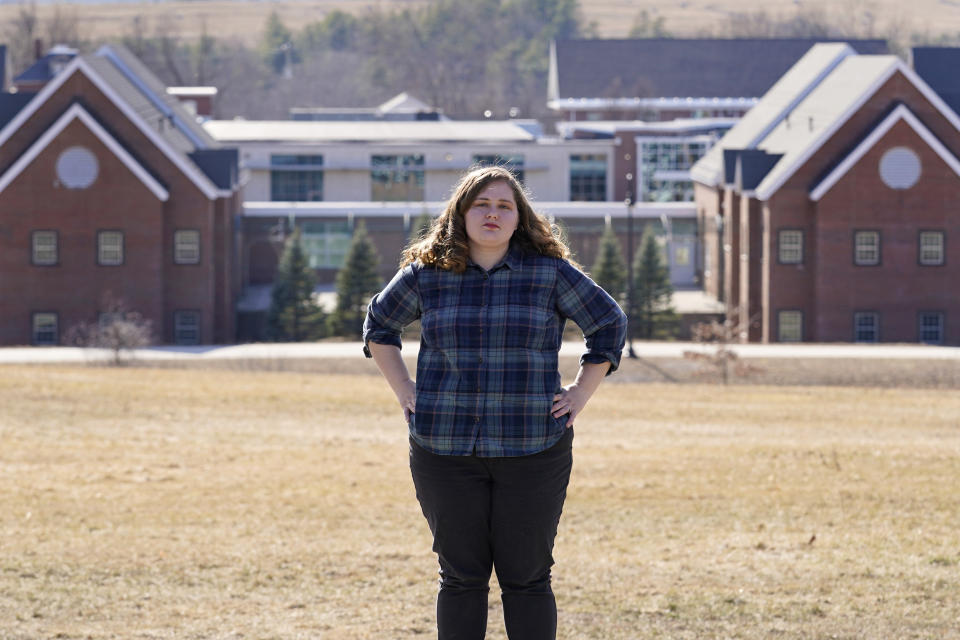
44	322
44	254
932	254
110	247
866	248
921	328
186	246
790	320
790	246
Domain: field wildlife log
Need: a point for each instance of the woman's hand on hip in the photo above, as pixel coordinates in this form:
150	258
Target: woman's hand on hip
407	397
573	398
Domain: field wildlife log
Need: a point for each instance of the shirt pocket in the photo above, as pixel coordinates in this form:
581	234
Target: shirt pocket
530	327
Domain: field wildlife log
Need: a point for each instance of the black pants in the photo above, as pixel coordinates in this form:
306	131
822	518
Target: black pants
494	512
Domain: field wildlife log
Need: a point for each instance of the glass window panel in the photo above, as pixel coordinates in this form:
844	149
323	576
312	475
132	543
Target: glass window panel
867	248
931	327
790	246
326	243
110	248
45	248
588	178
186	246
866	327
301	179
186	327
45	330
790	325
931	247
397	178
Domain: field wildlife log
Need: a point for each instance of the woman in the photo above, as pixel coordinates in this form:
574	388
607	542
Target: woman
490	426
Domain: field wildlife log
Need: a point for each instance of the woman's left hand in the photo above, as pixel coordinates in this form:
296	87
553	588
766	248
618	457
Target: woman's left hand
570	401
573	398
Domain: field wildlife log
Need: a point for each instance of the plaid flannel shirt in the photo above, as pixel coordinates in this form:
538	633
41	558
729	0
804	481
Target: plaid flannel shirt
487	366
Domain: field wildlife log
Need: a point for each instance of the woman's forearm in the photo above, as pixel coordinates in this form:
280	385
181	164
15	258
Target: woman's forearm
394	369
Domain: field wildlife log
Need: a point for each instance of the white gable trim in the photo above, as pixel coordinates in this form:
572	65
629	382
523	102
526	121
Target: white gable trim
76	112
767	188
202	182
898	114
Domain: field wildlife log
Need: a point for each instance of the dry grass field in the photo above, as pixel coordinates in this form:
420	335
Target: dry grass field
164	503
613	18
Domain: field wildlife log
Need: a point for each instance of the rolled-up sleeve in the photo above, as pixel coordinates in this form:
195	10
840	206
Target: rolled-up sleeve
601	319
391	310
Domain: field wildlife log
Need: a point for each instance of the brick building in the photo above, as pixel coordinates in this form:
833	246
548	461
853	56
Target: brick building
108	187
828	213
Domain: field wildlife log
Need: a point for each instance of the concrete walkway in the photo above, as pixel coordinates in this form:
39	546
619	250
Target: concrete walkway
271	351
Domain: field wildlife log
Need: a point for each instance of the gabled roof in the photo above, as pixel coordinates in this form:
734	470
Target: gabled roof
781	98
112	84
900	113
318	131
674	67
77	112
404	103
828	107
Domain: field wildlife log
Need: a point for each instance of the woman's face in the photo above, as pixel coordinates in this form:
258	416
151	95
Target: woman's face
492	218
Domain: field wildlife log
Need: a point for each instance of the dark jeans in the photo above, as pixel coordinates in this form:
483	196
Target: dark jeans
494	512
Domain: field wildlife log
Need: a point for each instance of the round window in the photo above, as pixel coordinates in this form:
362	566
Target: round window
77	168
900	168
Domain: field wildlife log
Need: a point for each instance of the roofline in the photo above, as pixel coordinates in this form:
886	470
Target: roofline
691	102
767	188
77	112
902	112
202	182
559	209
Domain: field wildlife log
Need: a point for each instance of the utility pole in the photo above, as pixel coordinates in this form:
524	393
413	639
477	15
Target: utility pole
630	201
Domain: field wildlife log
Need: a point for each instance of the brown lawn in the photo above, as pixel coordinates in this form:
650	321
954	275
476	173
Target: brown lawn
162	503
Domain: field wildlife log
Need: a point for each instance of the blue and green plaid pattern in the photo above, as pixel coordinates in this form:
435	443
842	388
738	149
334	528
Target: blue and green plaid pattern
487	367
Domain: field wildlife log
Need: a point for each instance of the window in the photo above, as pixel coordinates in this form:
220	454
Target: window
866	326
44	251
513	164
790	326
790	246
665	162
931	327
186	327
186	246
110	248
866	248
397	178
296	178
588	178
326	243
931	248
45	329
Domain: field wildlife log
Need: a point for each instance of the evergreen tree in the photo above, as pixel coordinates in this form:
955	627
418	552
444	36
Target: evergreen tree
294	314
610	269
421	226
651	315
276	45
357	281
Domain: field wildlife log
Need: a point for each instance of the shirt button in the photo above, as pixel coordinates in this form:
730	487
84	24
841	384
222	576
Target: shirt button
480	359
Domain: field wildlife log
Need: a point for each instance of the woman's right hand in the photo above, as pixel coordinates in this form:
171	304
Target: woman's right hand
407	397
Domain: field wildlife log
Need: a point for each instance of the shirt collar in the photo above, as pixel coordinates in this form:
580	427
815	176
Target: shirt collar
513	260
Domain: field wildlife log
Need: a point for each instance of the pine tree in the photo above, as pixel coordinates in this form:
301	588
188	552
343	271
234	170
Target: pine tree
357	281
294	314
610	269
651	315
421	226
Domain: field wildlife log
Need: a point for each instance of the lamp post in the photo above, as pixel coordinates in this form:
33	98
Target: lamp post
630	200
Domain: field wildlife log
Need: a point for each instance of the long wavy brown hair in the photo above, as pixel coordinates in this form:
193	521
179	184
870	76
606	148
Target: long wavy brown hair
445	244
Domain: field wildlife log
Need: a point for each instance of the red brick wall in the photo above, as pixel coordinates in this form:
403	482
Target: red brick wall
899	288
76	286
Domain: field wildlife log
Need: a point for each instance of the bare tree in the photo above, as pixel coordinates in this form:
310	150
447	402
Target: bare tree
722	360
119	329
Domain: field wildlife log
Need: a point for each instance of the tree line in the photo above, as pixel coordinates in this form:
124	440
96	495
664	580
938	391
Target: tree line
466	57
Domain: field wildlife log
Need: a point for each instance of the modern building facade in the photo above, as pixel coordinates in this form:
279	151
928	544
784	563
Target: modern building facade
828	213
